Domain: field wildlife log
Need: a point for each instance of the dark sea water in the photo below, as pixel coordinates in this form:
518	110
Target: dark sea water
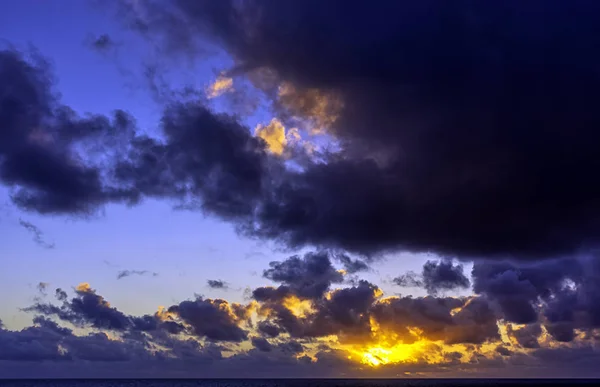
297	383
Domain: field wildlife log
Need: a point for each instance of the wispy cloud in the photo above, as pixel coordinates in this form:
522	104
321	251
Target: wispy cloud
42	287
38	235
128	273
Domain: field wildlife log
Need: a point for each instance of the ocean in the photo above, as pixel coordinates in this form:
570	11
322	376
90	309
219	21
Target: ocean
294	382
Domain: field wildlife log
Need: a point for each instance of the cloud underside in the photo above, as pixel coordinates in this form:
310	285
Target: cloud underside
524	321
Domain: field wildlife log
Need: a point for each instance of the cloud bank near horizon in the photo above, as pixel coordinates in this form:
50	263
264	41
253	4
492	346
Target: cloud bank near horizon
528	321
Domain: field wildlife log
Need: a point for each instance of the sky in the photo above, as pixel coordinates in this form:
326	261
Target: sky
299	189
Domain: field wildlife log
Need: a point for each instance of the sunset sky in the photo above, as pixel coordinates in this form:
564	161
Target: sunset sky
267	188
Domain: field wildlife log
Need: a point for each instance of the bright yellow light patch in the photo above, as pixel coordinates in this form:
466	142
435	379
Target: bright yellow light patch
84	287
163	314
300	308
274	135
399	353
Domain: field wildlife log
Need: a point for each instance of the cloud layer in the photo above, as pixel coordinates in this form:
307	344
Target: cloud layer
305	325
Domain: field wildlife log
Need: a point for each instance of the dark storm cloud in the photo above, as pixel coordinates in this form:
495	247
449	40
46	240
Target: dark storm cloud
436	276
38	235
129	273
217	284
464	129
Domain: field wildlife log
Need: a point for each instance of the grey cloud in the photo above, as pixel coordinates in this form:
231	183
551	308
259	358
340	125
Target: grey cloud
217	284
309	276
436	276
210	319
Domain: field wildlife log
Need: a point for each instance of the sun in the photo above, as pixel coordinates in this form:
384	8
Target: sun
375	357
378	355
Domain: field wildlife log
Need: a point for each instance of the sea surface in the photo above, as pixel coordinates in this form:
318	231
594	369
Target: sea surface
295	382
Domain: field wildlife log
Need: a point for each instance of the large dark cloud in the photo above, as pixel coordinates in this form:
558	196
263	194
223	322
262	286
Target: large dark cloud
40	141
464	128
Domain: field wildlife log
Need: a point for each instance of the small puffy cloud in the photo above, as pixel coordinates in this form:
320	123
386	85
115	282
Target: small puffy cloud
436	276
217	284
214	319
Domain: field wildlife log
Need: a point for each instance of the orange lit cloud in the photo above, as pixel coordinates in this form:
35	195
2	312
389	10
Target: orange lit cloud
321	109
219	87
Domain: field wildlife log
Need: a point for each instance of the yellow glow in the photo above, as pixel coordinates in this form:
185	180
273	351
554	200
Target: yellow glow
274	135
321	107
163	314
219	87
300	308
84	287
380	354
